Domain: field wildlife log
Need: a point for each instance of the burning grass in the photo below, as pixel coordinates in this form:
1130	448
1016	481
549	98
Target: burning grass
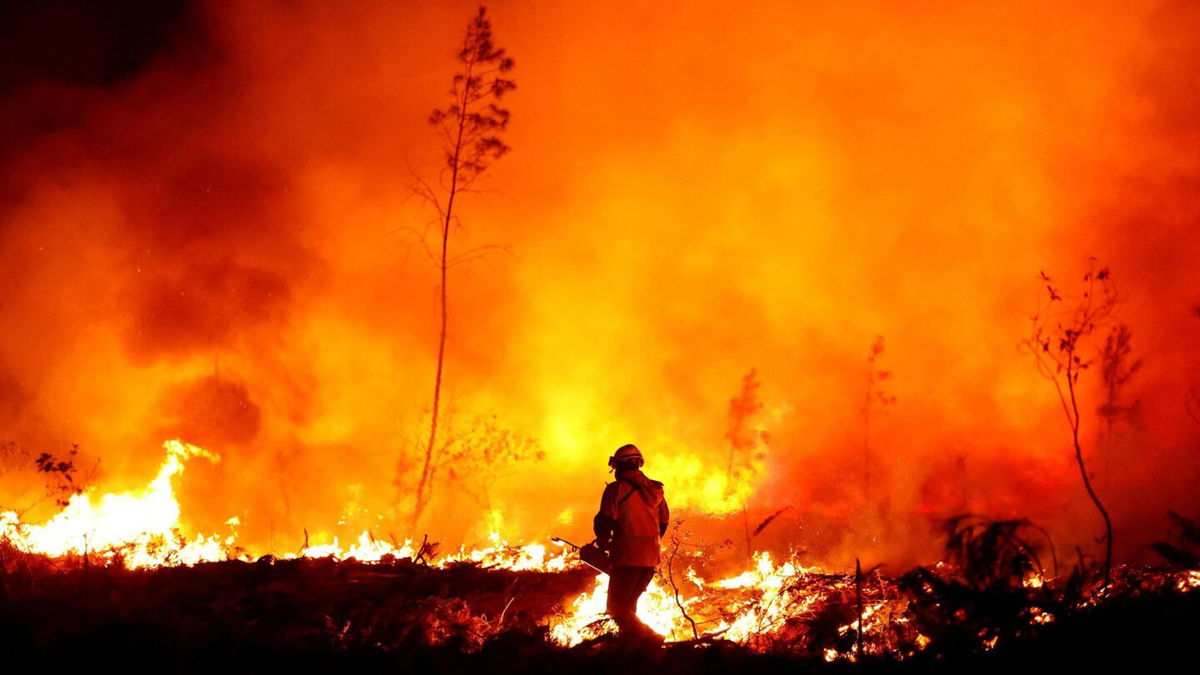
470	614
116	579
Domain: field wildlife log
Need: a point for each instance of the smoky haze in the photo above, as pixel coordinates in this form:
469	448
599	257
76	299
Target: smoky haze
208	231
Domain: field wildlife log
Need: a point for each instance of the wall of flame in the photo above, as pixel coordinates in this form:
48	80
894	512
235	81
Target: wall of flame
221	245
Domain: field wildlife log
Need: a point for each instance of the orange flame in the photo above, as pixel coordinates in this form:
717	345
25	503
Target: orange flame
141	526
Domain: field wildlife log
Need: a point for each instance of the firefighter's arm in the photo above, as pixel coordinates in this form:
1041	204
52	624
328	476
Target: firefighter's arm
605	521
664	517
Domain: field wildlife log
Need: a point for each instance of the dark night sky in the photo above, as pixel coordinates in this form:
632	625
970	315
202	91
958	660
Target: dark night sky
79	42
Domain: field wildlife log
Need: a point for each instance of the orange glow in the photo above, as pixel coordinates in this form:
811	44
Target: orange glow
223	249
140	526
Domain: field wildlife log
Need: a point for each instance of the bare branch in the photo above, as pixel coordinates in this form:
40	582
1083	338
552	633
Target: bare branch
477	253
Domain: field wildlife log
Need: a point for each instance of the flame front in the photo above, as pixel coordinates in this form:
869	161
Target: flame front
142	529
756	608
142	526
763	607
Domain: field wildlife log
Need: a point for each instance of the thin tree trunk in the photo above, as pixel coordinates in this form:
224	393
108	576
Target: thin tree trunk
424	486
858	599
1087	483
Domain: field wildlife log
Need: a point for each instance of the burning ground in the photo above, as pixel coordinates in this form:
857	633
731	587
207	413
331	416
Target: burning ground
505	615
116	579
791	250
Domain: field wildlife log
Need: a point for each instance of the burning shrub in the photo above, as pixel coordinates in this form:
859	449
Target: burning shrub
993	588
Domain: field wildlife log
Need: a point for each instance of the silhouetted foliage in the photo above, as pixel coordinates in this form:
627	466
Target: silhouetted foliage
745	440
876	400
1061	329
480	454
63	486
992	553
470	124
1117	368
747	443
58	474
988	592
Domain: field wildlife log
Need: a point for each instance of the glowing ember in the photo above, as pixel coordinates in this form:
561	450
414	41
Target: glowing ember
1189	581
1041	617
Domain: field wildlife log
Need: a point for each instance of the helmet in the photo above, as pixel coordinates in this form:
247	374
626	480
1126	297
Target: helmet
627	452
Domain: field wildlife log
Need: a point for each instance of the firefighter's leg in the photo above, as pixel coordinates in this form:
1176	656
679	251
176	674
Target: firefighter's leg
625	586
622	596
638	586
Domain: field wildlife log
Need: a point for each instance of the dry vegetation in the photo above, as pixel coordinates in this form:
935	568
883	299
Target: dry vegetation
977	611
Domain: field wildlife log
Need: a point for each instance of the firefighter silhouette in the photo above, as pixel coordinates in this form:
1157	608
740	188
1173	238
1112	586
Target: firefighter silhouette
633	517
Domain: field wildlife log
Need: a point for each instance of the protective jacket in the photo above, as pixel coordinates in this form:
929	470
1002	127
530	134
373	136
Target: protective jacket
633	516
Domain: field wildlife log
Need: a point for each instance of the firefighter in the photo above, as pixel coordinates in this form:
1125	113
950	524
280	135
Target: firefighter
633	517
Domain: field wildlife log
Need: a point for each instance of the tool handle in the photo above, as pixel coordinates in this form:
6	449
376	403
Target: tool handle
564	541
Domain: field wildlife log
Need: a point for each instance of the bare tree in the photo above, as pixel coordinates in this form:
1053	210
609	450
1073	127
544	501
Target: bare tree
1061	330
875	399
743	437
470	127
1116	370
745	442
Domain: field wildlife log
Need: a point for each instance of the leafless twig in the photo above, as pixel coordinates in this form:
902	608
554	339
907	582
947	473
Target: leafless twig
674	586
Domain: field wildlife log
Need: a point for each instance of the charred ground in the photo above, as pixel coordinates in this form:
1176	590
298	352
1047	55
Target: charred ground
324	615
